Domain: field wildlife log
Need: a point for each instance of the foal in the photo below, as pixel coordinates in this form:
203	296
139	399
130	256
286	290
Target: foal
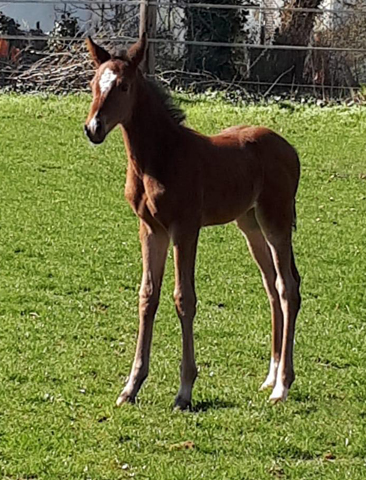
179	181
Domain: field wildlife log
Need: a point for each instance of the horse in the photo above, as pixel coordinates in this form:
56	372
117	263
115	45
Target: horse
179	181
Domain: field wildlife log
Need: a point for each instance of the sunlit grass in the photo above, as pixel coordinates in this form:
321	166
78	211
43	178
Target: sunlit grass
70	271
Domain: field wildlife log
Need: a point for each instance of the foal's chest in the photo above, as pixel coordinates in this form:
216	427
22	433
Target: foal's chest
146	195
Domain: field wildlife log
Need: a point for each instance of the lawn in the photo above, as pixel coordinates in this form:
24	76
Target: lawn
70	270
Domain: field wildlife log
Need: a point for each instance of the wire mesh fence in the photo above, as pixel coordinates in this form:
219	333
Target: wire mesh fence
255	47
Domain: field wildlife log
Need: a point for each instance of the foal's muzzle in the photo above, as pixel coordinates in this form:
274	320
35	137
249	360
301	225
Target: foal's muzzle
95	130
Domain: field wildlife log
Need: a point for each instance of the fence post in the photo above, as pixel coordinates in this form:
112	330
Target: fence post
148	25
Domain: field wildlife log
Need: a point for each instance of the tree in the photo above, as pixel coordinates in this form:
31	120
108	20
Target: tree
211	25
295	30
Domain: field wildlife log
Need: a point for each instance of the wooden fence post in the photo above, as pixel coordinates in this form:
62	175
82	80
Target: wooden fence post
148	25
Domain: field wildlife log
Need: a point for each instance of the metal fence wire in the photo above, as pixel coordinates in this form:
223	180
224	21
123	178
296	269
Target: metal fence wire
315	47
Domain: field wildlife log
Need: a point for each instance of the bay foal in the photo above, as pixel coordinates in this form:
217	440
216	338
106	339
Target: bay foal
179	181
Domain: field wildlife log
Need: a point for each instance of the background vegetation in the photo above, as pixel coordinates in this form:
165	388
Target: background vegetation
301	48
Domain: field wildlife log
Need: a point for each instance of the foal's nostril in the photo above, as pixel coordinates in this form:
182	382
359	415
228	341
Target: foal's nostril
94	130
87	132
94	126
98	124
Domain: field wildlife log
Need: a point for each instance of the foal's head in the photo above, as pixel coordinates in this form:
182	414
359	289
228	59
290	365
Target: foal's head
113	88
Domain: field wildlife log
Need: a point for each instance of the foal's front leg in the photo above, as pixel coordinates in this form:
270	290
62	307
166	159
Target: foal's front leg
185	246
154	250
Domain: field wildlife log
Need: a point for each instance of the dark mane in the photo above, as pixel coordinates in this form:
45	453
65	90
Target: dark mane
164	96
175	112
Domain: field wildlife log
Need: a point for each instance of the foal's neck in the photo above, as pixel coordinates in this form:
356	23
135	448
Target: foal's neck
151	132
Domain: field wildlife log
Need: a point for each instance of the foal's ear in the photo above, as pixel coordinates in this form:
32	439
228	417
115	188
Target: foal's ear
98	54
136	53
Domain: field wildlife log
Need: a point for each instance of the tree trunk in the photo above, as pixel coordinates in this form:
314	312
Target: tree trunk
211	25
295	29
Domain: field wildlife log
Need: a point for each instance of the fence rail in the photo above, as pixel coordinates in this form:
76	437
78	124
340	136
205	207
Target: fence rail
255	46
211	6
164	41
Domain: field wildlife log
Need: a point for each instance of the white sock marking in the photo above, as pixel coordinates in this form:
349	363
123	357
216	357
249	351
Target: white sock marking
279	393
270	381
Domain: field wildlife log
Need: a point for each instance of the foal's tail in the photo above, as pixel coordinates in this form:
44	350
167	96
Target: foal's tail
297	178
294	217
297	163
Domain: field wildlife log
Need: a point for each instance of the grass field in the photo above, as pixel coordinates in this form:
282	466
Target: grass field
69	277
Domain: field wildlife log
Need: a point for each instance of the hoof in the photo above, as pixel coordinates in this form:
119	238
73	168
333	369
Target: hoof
267	384
279	394
125	397
182	404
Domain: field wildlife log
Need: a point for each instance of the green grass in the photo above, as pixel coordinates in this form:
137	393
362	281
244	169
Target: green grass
70	270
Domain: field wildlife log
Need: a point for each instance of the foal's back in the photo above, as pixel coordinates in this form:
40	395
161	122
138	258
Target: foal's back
241	166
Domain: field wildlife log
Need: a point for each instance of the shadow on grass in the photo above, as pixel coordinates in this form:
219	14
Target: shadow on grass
212	404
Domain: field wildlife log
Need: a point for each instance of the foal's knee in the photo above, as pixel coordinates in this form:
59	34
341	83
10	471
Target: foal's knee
289	290
148	298
185	303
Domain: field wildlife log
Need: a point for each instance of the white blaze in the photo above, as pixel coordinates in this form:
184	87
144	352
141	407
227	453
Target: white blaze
106	80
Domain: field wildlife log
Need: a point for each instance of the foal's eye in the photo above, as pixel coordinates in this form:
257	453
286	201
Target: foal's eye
124	87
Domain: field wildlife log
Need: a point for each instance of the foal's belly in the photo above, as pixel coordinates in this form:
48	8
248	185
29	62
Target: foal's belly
218	219
232	180
225	208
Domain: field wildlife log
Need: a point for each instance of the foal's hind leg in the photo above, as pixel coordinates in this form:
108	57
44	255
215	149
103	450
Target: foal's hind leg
262	256
276	226
154	250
